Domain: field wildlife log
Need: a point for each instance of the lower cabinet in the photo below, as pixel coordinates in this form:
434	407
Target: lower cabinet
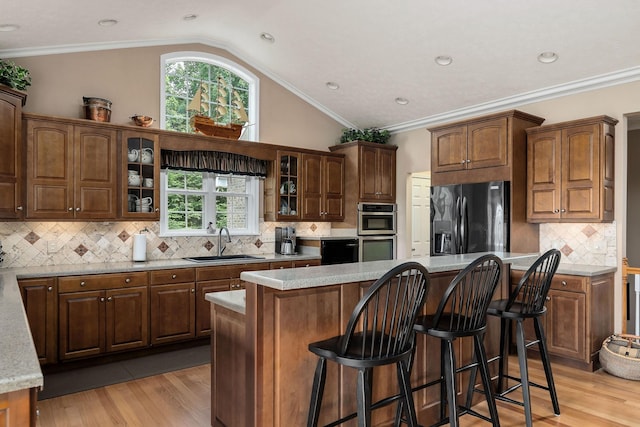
172	301
102	313
40	299
579	317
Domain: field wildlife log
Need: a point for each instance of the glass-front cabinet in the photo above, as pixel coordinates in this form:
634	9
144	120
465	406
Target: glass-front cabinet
288	190
141	176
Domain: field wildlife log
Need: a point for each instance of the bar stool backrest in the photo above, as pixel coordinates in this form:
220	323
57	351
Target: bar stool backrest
463	308
530	295
381	325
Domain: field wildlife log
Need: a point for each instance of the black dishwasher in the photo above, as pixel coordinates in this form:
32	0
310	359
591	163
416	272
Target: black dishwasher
338	251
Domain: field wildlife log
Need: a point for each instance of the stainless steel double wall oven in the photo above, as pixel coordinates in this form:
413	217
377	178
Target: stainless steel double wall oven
377	228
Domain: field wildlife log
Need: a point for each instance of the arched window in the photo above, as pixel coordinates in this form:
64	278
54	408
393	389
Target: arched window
195	82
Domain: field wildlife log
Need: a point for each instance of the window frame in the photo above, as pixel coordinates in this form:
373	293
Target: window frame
251	132
209	214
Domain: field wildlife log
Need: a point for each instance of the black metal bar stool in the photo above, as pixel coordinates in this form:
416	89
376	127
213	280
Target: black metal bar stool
379	332
462	312
527	301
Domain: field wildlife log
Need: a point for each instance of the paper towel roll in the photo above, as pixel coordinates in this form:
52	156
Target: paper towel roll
139	247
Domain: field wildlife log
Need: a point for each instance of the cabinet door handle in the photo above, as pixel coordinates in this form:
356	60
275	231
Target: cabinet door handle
563	210
468	160
109	299
102	299
70	209
127	280
173	276
463	162
82	283
564	283
77	209
50	288
157	210
19	208
193	291
548	298
556	211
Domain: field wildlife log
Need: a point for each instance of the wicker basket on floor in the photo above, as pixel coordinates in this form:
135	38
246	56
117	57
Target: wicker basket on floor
620	356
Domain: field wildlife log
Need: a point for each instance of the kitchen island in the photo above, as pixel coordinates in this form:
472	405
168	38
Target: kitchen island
262	371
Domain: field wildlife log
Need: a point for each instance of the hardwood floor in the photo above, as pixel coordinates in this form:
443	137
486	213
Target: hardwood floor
182	398
179	398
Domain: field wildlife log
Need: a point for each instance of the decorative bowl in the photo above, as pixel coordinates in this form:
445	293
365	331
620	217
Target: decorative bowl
144	121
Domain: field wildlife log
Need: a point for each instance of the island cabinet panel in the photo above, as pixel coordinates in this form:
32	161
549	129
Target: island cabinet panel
18	408
40	299
273	337
228	368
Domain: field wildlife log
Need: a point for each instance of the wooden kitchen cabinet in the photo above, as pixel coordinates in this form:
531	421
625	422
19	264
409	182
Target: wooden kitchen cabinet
172	299
140	157
71	170
102	313
287	185
11	173
570	171
40	299
322	187
579	317
487	148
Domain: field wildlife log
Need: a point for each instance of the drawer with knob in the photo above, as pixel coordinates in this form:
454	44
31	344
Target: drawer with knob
178	275
562	282
101	281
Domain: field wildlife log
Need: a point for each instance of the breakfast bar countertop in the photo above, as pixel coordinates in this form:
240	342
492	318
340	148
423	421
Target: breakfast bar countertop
310	277
20	368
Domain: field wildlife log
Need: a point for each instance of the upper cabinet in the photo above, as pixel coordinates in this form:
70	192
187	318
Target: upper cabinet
479	150
140	175
570	171
322	187
287	181
370	172
71	170
11	102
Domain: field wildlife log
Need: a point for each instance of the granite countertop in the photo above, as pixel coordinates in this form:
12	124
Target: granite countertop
233	300
128	266
20	368
572	269
311	277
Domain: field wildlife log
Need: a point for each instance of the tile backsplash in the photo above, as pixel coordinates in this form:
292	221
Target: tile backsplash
28	244
581	243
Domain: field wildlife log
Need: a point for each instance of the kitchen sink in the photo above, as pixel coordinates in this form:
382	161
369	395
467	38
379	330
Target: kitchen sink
210	258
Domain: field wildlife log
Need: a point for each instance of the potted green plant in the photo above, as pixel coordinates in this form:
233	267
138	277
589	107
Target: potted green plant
369	134
13	75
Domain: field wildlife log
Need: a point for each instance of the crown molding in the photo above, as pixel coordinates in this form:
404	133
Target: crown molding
598	82
604	80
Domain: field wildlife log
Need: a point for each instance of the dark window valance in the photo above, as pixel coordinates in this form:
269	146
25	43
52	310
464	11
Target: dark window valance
213	161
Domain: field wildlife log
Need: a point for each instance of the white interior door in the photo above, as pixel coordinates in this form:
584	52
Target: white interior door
420	214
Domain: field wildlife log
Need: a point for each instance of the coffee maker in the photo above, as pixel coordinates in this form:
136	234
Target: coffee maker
285	240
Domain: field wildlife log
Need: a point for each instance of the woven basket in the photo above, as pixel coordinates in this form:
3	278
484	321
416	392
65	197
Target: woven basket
620	356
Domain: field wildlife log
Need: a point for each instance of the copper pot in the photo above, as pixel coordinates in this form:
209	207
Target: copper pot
98	109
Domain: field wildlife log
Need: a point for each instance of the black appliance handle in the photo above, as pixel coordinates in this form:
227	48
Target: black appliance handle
464	226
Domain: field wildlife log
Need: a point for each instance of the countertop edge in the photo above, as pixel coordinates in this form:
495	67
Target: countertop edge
233	300
20	368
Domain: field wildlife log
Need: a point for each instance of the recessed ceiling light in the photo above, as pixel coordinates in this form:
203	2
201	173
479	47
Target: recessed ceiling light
8	27
267	37
190	17
443	60
333	85
107	22
548	57
402	101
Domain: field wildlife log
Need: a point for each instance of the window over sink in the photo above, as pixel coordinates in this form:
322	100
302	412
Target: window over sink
196	203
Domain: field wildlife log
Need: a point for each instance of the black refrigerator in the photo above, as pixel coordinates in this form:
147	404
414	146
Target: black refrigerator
469	218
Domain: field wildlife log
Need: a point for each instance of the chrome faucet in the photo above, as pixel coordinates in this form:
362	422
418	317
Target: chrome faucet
220	248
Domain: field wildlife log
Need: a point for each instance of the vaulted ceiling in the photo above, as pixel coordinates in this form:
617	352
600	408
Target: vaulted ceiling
380	54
